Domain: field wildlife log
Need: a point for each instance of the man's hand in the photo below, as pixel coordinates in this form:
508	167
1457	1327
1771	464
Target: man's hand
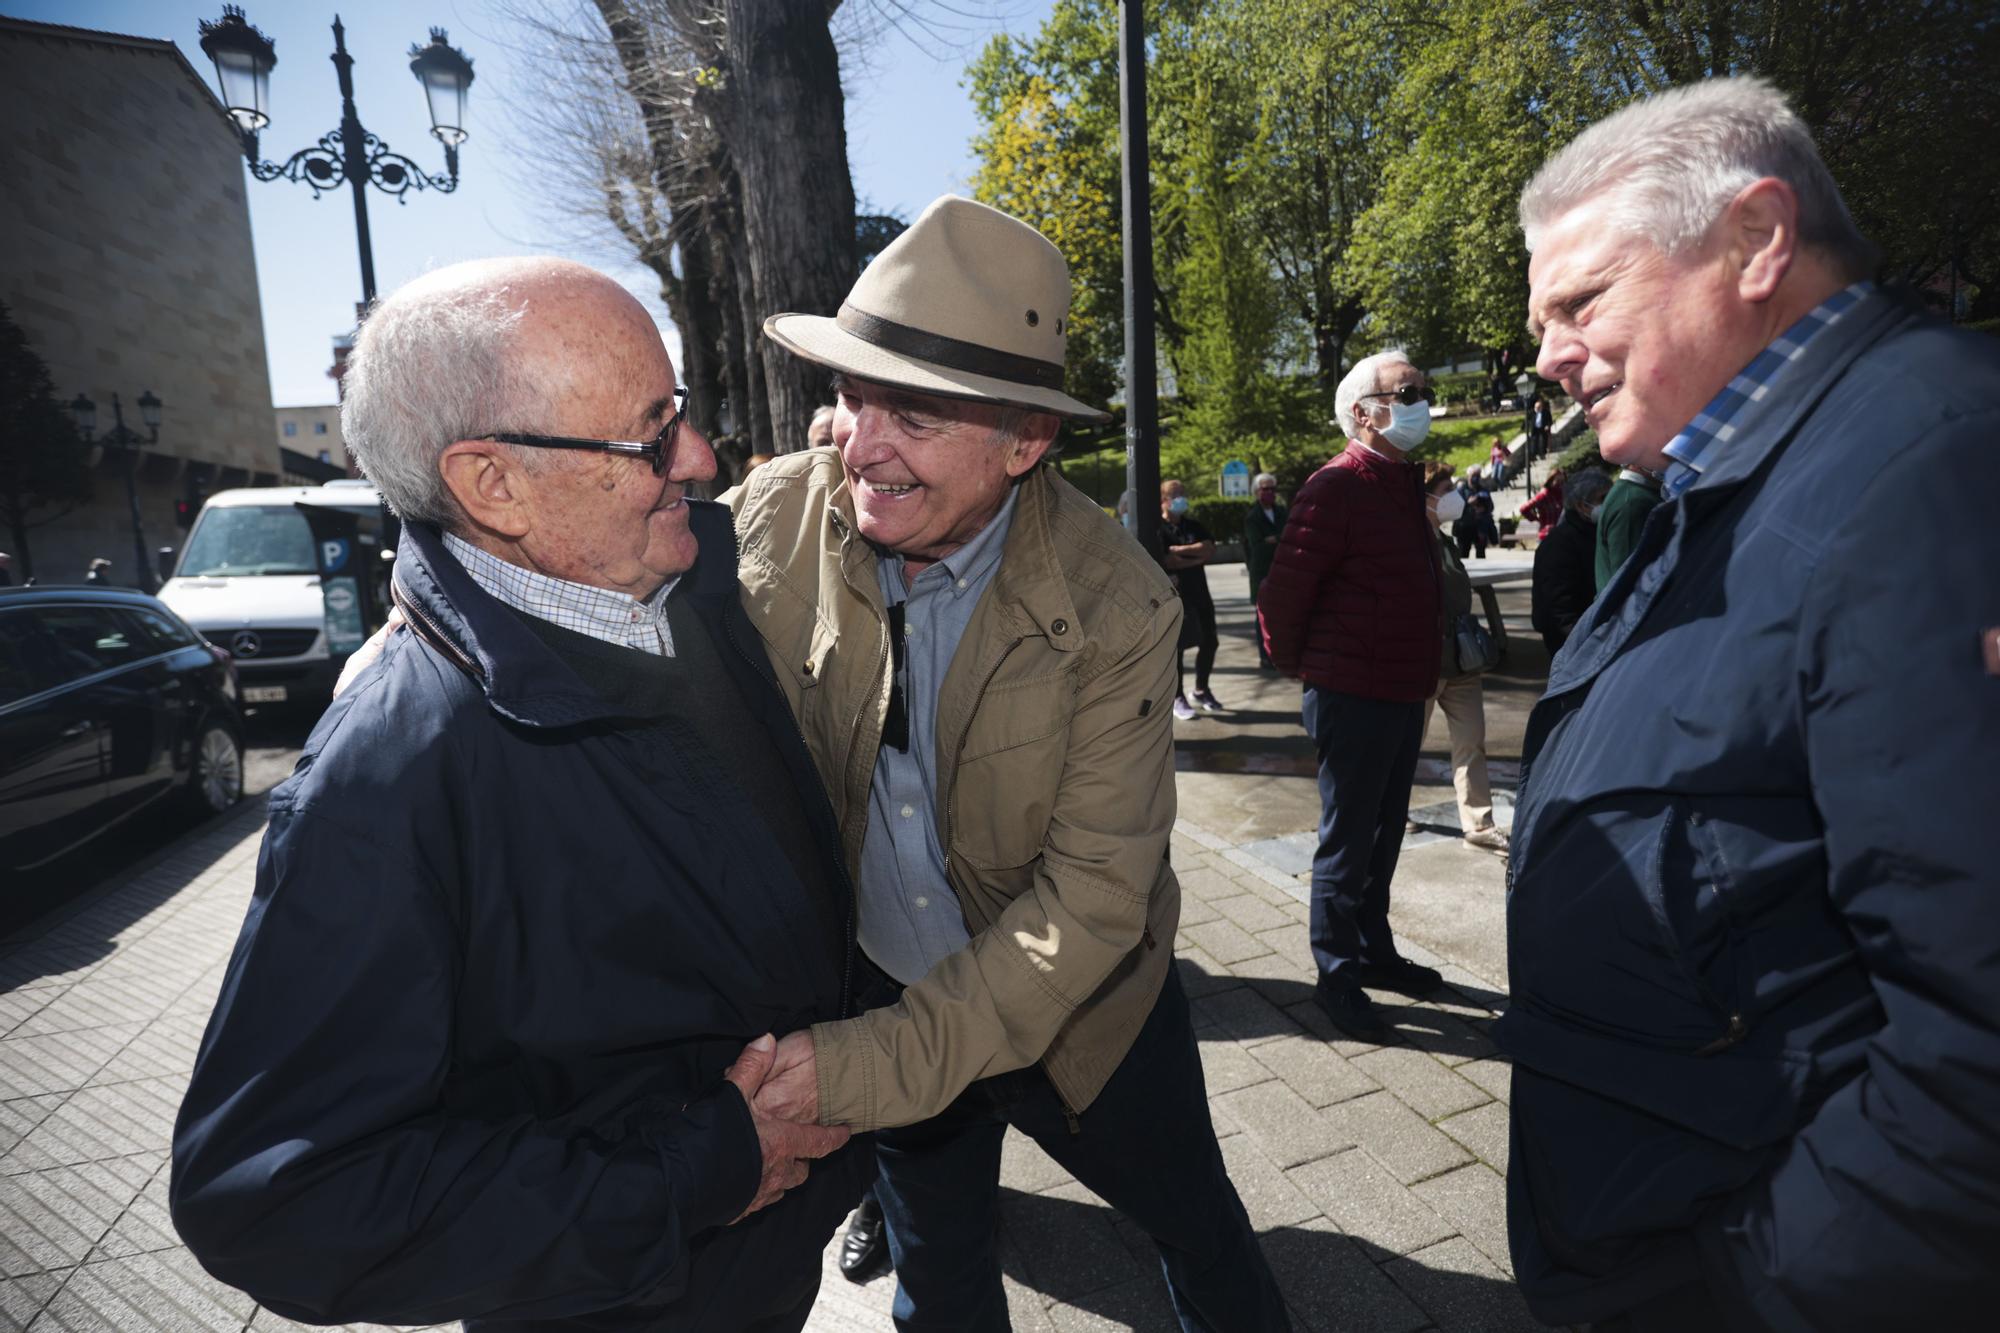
791	1090
787	1146
358	661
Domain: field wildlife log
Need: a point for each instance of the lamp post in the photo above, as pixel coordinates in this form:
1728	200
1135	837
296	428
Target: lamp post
1142	407
349	155
121	436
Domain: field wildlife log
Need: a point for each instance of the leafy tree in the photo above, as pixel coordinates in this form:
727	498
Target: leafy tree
44	462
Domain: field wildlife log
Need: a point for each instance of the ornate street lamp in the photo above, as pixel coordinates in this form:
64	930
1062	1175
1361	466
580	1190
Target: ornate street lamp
121	436
349	155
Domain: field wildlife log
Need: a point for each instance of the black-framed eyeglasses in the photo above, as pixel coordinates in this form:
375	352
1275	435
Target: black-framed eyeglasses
659	450
1409	395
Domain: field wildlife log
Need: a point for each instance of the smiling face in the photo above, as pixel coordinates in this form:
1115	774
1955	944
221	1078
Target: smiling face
1640	339
927	473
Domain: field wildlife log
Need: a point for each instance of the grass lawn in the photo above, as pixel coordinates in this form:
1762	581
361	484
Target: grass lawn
1463	441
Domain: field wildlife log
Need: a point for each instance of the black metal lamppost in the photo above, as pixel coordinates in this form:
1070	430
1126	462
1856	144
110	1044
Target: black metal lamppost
121	436
243	59
1142	406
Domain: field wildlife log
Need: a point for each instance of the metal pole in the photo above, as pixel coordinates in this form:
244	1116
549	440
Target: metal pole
354	152
1142	406
128	440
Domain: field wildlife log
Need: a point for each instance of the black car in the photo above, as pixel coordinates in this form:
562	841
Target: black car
108	703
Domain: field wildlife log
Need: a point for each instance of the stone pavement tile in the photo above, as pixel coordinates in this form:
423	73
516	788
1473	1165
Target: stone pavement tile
1496	1076
1268	1195
270	1321
1025	1167
1226	1066
1066	1242
1225	941
21	1299
1204	883
167	1291
19	1117
1200	974
1397	1137
38	965
200	997
1283	1124
1196	911
1277	895
1317	1025
1027	1308
98	1003
1426	1086
1476	990
1279	976
94	1123
1484	1130
1461	1291
1473	1199
1252	913
47	1212
18	1006
1446	1037
146	1225
1201	837
1331	1284
61	1062
1369	1204
164	1049
1246	1016
842	1306
1310	1068
1142	1303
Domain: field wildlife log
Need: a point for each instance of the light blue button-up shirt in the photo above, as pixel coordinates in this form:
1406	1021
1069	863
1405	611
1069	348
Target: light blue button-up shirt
909	917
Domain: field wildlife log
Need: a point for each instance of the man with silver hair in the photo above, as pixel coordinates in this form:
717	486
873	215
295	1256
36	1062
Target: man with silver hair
1754	955
546	866
1352	607
1263	523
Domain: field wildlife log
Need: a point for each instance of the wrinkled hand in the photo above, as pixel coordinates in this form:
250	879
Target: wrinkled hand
786	1145
791	1091
358	661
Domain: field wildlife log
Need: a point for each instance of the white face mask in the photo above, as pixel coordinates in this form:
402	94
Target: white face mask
1407	425
1449	506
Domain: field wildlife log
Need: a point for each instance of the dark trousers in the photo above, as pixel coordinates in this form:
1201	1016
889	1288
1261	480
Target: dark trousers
1198	633
1145	1146
1367	761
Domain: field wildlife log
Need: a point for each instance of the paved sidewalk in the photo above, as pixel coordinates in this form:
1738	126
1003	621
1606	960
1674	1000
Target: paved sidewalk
1372	1174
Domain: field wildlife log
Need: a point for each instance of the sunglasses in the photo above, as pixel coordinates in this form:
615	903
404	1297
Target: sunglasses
1409	395
659	450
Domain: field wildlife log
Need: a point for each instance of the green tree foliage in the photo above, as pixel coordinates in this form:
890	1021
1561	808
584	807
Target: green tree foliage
43	461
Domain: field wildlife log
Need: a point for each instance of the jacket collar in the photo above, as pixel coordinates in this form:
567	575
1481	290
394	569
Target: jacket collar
522	678
1360	456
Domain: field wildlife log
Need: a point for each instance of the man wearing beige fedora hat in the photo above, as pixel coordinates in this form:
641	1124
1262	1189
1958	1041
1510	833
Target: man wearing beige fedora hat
982	663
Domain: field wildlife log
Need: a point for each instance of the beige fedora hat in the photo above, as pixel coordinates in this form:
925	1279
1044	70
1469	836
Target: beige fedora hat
968	303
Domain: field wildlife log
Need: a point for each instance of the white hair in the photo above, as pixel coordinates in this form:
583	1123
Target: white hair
1365	378
430	368
1670	164
1258	482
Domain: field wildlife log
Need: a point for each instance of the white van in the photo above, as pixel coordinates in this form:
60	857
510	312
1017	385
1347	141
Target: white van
249	580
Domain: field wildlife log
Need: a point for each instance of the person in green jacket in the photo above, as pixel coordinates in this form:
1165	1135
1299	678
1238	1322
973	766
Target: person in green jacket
1622	518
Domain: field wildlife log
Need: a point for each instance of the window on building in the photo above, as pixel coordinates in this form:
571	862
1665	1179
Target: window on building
325	457
319	428
291	428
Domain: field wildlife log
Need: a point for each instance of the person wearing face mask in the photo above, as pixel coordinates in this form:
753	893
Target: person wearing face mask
1186	548
1458	691
1565	575
1353	607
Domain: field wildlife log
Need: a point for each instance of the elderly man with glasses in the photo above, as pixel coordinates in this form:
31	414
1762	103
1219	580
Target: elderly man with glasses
550	869
1352	607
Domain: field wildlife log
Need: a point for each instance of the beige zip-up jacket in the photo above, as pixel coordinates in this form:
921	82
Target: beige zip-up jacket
1055	784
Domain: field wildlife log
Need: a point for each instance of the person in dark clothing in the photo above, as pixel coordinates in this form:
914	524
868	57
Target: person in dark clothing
1263	523
1565	561
1754	960
1187	548
1621	519
1354	607
550	873
99	571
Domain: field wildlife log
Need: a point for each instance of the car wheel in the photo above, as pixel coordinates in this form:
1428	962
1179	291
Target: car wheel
217	780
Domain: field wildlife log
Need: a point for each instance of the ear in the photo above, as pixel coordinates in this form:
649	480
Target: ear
1762	227
1033	442
488	484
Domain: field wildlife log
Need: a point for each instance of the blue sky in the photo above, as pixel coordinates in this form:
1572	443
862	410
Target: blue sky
909	126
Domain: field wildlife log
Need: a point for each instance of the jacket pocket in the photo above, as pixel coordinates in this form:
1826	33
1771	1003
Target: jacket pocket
1008	770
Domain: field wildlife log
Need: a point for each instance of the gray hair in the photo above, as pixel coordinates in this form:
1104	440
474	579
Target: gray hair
1588	487
429	369
1257	482
1671	163
1365	378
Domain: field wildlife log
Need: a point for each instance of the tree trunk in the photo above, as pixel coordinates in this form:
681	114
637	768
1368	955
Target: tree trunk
788	138
24	558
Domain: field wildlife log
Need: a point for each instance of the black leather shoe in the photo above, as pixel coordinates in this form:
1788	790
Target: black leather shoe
1353	1013
1402	976
864	1250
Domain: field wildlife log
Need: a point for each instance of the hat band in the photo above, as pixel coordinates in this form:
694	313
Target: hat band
951	353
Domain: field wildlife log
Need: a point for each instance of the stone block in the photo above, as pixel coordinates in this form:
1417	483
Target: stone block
1426	1086
1370	1204
1283	1124
1461	1291
1332	1286
1473	1199
1406	1145
1312	1069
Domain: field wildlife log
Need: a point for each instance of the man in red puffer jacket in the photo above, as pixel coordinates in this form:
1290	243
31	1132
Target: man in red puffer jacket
1353	607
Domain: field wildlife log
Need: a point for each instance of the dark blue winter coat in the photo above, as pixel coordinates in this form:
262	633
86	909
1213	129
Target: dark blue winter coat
466	1062
1754	909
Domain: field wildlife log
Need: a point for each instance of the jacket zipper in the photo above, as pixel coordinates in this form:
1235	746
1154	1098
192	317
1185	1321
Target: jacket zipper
436	638
1735	1029
958	756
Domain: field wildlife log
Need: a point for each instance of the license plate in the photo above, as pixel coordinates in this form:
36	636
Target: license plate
263	694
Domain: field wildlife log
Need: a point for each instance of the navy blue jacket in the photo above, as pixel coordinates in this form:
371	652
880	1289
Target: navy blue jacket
1754	905
466	1062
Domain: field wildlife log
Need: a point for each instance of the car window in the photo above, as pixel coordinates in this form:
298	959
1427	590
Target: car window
30	660
158	633
250	539
90	639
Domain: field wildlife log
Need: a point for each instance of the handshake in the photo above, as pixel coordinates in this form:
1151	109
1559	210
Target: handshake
780	1085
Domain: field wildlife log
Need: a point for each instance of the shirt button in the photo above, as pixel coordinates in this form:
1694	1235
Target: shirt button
909	810
922	901
961	583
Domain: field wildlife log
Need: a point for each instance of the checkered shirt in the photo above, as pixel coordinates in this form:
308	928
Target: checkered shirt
598	612
1714	425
